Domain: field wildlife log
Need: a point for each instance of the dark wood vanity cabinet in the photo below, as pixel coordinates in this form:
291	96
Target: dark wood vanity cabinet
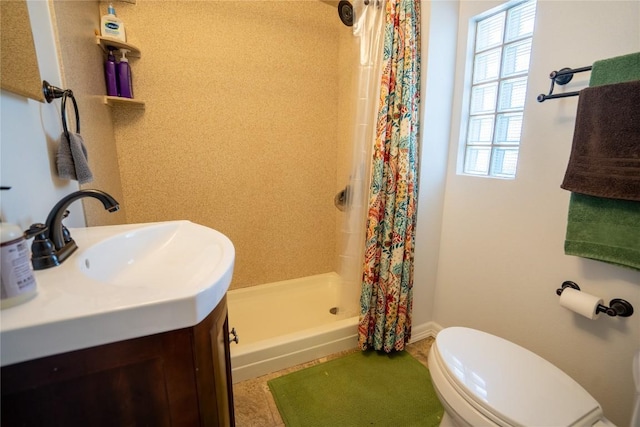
175	378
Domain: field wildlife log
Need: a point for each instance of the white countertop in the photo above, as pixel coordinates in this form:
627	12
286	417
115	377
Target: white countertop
73	311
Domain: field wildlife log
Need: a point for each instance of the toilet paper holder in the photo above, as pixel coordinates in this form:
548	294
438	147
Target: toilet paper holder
617	306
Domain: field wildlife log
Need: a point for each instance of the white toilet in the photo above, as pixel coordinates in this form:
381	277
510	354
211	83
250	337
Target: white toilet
484	380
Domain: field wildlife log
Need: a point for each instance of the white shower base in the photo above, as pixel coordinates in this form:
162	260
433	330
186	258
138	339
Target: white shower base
286	323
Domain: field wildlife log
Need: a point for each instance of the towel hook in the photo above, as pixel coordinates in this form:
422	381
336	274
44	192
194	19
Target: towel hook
52	92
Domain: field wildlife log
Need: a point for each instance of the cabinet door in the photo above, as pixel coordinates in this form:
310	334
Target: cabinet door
213	369
144	381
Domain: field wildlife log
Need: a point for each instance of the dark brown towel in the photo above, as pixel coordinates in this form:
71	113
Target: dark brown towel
605	157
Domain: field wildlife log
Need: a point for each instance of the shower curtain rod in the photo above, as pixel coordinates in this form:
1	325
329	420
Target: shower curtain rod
378	2
335	3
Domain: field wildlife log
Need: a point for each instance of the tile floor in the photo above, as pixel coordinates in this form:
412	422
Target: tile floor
255	407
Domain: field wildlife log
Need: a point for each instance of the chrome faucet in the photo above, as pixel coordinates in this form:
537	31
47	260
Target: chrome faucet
52	242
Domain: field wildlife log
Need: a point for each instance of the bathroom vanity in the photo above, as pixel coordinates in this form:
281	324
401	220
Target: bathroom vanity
175	378
131	330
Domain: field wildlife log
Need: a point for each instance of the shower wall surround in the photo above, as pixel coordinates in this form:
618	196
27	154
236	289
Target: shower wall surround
240	130
82	68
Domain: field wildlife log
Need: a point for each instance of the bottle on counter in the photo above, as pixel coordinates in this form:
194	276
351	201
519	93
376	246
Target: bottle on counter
18	283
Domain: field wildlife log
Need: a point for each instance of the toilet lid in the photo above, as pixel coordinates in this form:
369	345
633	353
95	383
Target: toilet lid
512	383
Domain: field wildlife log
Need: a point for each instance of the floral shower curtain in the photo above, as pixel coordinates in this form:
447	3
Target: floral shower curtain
387	281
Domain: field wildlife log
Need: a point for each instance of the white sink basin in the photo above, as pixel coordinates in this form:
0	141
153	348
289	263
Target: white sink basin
166	254
123	282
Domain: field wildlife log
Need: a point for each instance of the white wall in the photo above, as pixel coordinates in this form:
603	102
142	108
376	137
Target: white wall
28	134
439	33
501	256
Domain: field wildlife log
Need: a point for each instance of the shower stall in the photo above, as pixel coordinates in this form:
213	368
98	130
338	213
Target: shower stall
284	323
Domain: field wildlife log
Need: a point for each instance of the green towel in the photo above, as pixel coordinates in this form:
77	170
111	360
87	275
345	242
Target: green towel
606	229
615	70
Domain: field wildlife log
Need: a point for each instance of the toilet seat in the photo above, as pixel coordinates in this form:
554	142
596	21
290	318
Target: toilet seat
486	379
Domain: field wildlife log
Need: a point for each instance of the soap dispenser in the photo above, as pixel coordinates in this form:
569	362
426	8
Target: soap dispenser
112	26
125	85
18	284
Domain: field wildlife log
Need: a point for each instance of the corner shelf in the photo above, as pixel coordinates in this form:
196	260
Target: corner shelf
134	52
114	101
106	42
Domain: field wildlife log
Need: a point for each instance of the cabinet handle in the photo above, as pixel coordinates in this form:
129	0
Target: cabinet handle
234	335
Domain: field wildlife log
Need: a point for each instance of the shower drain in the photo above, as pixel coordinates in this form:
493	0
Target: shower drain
333	310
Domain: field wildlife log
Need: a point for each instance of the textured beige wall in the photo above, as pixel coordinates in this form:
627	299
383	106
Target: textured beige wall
82	71
348	56
240	127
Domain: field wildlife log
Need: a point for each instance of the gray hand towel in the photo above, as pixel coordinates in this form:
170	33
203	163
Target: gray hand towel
72	159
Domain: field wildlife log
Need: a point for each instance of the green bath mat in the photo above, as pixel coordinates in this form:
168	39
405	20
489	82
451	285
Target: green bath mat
361	389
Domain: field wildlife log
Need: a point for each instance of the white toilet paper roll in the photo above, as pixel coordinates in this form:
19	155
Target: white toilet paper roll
580	302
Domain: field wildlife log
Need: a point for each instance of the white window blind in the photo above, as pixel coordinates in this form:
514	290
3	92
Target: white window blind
501	55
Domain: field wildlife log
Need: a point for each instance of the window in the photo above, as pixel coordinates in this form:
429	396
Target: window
501	51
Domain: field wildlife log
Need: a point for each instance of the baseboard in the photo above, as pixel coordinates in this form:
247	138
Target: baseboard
424	330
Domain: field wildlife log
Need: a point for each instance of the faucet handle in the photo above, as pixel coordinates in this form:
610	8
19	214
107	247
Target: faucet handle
37	229
43	254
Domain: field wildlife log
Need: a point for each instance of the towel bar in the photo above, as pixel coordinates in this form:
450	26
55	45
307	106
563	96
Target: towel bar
561	77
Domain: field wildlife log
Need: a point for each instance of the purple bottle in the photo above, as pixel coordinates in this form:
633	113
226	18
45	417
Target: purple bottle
110	75
124	76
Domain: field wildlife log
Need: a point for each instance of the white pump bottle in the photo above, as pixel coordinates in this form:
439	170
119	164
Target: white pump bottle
17	282
112	26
